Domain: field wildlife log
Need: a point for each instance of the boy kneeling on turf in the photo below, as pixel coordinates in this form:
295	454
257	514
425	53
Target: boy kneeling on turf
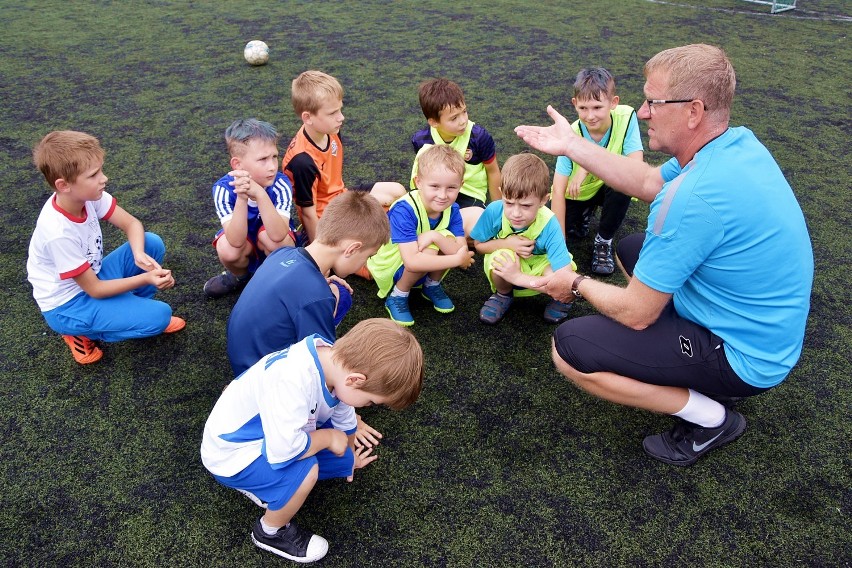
289	421
520	238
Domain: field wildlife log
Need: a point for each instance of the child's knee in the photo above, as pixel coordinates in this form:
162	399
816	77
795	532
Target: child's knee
154	246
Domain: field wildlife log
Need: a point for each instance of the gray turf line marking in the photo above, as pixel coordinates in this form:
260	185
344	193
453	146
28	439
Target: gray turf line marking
786	15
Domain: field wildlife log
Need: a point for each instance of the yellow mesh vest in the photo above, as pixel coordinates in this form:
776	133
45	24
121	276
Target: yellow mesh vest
475	182
384	264
618	131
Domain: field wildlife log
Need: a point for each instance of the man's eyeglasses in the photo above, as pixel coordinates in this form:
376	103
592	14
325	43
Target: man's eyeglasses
652	102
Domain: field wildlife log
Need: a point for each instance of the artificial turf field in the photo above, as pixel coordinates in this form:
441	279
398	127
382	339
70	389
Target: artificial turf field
501	462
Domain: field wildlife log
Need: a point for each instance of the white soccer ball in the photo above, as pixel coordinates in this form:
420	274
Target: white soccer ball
256	52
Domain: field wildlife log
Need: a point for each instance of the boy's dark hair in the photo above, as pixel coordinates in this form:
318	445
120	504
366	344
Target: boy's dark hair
594	83
354	215
242	131
525	175
438	94
66	154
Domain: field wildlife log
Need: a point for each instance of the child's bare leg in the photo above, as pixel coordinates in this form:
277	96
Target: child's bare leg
470	215
283	515
268	246
235	259
386	192
501	285
408	279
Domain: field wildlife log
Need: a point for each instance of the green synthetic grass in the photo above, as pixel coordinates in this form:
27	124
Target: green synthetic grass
501	462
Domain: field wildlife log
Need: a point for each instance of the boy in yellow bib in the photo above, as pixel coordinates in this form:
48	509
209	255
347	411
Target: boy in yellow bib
427	237
576	192
521	239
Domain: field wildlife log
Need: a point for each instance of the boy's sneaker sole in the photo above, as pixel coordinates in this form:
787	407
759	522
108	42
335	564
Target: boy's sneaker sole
83	349
291	542
175	324
684	444
438	298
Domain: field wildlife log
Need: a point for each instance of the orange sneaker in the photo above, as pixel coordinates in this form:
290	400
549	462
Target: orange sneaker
364	273
175	324
83	349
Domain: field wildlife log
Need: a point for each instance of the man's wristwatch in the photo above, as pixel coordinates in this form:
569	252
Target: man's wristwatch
575	287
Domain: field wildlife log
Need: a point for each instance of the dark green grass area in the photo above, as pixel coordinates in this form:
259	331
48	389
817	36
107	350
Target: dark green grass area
501	462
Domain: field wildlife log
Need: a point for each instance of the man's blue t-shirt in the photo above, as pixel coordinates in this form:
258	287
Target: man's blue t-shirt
727	238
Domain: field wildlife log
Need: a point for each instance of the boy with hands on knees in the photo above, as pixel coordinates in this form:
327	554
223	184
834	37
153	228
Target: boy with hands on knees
83	295
289	421
252	202
521	239
427	237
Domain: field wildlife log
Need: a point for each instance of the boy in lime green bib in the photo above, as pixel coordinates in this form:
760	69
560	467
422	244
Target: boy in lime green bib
520	238
577	193
427	237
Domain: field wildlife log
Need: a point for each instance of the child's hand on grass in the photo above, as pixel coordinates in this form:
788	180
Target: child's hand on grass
363	458
366	436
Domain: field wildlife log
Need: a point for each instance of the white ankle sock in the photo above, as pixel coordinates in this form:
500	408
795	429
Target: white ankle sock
268	529
397	292
430	282
600	239
702	410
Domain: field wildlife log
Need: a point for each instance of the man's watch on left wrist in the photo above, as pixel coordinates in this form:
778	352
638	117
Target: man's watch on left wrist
575	286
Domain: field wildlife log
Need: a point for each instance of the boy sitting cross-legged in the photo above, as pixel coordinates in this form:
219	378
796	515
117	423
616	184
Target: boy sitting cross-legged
253	204
520	238
83	295
427	237
289	421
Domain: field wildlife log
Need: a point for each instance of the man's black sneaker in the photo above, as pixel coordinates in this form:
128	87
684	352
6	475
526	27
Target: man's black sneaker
602	261
291	542
224	284
686	442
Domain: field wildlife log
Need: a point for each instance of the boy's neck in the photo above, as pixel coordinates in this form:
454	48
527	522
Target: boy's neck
318	138
330	369
72	206
598	136
323	255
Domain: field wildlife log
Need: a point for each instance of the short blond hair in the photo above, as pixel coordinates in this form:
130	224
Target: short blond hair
440	155
698	71
388	355
525	175
65	154
312	89
354	215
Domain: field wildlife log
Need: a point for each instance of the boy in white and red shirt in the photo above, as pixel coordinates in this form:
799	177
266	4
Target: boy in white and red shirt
83	295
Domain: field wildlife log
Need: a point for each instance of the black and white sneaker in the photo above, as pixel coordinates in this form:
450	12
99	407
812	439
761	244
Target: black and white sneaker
602	261
686	442
291	542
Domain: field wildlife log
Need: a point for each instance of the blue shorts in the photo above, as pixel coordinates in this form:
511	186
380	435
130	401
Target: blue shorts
131	315
276	487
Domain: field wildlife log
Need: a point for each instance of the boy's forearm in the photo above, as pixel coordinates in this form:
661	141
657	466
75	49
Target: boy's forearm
495	180
490	246
424	262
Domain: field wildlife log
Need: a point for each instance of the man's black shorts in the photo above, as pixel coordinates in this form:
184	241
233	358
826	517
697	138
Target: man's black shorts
673	351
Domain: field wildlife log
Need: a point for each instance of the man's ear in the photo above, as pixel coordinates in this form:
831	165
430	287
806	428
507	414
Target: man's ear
355	380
